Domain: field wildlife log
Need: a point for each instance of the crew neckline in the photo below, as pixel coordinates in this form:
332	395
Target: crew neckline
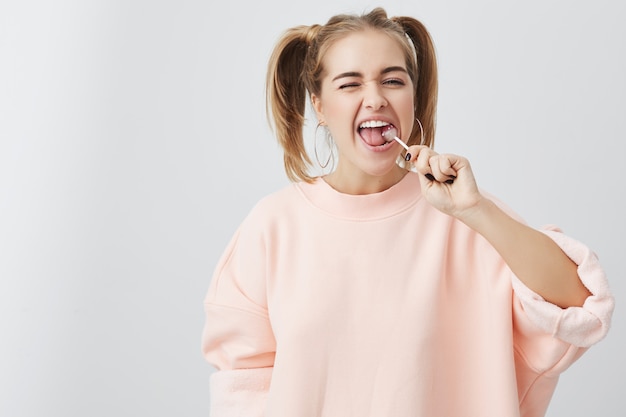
393	200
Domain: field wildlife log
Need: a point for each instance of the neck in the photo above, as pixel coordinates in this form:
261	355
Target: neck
364	183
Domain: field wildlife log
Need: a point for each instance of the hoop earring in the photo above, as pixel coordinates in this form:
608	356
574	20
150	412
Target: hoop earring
421	130
328	140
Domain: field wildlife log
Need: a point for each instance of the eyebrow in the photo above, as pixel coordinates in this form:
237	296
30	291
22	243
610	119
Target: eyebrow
358	74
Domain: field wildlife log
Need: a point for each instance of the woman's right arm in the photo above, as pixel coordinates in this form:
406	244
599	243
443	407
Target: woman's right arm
237	338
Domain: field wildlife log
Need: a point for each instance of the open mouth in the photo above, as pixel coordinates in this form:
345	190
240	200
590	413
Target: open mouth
372	131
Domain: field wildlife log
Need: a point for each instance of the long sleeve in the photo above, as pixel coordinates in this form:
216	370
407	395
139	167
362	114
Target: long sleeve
579	326
548	338
237	338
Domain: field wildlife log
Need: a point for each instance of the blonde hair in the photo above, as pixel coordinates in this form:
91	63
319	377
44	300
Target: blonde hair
295	72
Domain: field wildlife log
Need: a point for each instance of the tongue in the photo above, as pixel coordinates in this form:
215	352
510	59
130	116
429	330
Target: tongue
373	136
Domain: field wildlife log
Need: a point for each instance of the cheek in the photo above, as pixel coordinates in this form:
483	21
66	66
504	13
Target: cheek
409	105
409	101
340	115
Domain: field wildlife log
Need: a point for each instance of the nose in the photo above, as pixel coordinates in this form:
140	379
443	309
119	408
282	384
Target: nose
373	98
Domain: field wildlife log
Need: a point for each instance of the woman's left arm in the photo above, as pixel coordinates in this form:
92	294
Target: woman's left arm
532	256
448	184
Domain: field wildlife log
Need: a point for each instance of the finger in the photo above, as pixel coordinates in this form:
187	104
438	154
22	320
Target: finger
413	152
442	167
422	164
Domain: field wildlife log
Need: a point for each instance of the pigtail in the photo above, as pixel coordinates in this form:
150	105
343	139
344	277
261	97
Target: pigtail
426	85
286	98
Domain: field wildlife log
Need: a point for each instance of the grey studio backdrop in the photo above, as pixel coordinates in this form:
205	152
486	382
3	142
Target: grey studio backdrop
133	141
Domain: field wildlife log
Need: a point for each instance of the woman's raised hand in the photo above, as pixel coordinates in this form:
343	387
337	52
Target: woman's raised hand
447	180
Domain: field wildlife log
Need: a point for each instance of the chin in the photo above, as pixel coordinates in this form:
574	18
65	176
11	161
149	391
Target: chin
384	170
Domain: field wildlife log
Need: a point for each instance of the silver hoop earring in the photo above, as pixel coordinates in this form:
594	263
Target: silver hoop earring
328	140
421	130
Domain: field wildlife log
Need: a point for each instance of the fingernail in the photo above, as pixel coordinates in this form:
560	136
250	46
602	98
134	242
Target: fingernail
430	177
407	157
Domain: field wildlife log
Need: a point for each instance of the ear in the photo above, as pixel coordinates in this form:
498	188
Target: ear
317	106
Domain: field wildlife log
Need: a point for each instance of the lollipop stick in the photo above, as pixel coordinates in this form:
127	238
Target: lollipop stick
404	145
392	134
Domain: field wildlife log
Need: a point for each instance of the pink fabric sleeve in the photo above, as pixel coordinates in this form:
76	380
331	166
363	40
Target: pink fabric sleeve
239	392
578	326
237	338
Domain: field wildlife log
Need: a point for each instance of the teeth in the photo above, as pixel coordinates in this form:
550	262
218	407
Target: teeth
372	123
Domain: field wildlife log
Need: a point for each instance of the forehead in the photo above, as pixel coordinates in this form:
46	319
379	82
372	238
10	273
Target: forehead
363	50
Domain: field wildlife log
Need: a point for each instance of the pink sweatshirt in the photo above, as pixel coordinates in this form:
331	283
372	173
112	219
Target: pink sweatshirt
335	305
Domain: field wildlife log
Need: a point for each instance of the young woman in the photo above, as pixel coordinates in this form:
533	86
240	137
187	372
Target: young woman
392	286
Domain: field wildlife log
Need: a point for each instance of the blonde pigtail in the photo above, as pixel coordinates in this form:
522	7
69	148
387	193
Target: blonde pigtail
286	98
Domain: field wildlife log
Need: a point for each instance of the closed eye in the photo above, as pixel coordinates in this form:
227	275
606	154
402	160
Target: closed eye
394	81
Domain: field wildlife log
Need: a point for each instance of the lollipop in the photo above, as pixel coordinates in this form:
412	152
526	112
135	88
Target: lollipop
391	133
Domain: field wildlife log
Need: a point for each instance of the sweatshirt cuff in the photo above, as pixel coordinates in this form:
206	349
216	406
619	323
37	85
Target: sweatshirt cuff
239	392
579	326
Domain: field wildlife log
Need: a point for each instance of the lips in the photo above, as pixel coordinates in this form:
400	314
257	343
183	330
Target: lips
371	132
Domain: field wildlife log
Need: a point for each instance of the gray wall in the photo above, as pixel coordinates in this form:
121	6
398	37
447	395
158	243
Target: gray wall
133	141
